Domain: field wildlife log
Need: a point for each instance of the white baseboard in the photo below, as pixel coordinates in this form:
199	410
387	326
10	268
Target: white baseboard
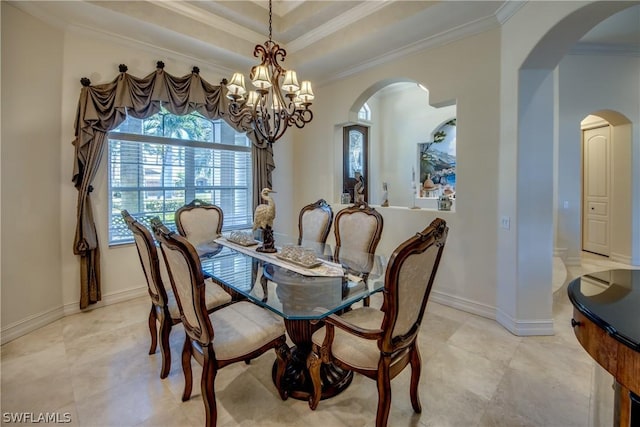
31	323
463	304
36	321
573	261
560	252
113	298
623	259
524	328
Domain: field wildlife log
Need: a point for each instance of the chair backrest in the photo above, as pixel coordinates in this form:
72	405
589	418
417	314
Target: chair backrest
187	281
200	222
358	230
149	260
409	277
314	222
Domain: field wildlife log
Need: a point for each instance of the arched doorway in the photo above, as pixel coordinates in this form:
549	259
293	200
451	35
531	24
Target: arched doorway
546	124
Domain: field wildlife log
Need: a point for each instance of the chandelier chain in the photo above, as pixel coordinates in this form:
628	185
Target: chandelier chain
278	100
270	20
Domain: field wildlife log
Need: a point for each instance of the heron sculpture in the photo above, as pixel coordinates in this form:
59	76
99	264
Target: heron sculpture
263	218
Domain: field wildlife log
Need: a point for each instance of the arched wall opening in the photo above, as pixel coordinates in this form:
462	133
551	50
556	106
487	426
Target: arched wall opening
605	169
546	126
402	118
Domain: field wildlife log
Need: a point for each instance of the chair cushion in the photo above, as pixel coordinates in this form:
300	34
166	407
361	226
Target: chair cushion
200	225
350	349
314	224
214	296
243	327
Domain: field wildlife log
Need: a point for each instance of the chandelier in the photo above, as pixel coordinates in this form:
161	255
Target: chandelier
278	101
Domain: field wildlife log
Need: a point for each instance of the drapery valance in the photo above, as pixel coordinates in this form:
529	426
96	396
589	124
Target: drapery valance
102	108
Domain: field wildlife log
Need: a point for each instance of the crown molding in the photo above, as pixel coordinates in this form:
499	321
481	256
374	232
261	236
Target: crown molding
604	49
508	9
437	40
31	8
280	8
330	27
151	48
211	20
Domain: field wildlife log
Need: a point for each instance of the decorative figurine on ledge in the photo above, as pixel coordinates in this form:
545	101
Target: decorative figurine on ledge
385	195
263	219
358	189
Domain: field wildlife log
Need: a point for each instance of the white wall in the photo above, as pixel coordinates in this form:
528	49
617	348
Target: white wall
97	58
404	118
31	261
467	276
533	42
590	83
483	266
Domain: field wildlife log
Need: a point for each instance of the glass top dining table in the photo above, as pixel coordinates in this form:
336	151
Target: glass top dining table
302	294
293	291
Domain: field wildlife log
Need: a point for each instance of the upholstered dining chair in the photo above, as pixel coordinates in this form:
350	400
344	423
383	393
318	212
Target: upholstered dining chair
200	222
379	344
314	222
238	332
164	309
358	229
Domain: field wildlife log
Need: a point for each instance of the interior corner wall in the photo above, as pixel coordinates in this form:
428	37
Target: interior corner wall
32	55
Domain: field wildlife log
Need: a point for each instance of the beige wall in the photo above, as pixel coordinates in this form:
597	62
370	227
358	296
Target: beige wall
98	58
31	260
486	270
609	87
467	277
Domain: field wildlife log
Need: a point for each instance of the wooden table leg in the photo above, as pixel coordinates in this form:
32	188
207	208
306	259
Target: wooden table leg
296	379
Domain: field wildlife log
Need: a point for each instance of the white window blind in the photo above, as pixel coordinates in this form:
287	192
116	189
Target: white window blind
160	163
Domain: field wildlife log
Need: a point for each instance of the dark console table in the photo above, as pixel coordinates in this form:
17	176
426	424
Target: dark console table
606	321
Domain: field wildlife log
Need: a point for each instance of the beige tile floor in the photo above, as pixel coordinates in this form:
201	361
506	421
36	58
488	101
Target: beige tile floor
94	366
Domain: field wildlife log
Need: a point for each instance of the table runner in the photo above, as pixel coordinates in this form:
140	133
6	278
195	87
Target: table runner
327	268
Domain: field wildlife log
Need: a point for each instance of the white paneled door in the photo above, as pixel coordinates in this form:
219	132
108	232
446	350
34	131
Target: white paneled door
596	190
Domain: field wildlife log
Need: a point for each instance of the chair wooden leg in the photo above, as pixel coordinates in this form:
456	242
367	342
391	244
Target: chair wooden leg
384	392
186	368
416	367
313	364
165	348
365	302
153	331
207	384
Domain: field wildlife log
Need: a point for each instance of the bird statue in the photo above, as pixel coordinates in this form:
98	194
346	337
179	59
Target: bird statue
263	218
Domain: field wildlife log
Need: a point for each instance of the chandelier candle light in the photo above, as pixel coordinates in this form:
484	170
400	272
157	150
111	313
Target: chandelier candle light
278	101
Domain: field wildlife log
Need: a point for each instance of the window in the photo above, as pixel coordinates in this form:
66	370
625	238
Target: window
365	112
355	150
160	163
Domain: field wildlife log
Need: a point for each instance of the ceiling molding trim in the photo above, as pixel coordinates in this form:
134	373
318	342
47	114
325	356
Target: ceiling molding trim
330	27
604	49
36	11
151	48
437	40
508	9
211	20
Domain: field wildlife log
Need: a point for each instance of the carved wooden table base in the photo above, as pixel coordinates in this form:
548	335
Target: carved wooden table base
296	380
